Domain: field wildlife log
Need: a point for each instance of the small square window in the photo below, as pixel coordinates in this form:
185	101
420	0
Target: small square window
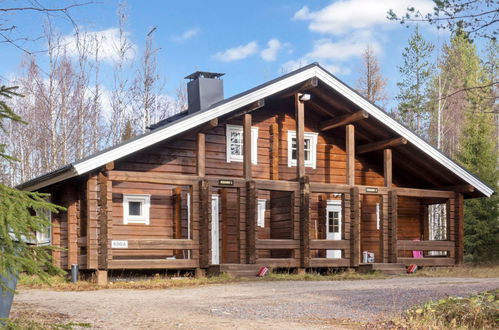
309	149
235	144
136	209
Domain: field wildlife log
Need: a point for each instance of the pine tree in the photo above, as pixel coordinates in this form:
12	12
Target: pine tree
416	74
21	215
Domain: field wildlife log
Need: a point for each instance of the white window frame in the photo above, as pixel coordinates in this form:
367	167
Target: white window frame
261	212
44	238
254	144
145	201
312	136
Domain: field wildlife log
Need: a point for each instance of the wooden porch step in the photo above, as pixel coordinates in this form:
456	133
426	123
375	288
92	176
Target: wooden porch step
385	268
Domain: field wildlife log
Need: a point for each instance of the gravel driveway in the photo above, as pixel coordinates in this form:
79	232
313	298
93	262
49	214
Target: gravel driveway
254	304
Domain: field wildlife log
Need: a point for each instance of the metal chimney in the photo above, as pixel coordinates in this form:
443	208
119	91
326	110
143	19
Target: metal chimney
203	90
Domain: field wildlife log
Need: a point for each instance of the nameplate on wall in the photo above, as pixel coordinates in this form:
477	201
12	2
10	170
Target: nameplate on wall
119	244
371	190
226	182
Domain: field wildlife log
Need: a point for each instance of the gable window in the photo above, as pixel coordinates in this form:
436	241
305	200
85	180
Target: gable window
235	145
310	149
136	209
261	212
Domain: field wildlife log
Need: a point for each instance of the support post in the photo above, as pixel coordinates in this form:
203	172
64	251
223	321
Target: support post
204	220
101	277
200	154
105	204
355	229
350	146
251	219
72	228
247	146
392	226
300	136
387	160
459	228
305	222
177	199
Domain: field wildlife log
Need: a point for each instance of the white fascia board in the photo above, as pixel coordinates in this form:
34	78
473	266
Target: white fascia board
61	177
400	129
196	120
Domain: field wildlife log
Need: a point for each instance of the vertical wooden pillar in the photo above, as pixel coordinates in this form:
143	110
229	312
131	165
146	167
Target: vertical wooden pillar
384	229
305	222
392	226
251	218
300	136
247	146
177	216
92	222
387	160
355	225
204	222
72	228
200	154
350	146
223	205
459	228
274	152
426	222
105	203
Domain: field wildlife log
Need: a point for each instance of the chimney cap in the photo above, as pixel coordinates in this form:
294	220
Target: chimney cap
204	74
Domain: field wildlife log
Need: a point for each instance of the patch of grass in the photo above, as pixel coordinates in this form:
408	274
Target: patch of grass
22	324
479	311
318	277
482	271
156	282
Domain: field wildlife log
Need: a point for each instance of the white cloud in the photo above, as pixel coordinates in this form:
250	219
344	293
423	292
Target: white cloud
108	42
237	53
269	54
342	17
186	35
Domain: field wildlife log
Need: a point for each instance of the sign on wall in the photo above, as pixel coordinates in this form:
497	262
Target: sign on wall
119	244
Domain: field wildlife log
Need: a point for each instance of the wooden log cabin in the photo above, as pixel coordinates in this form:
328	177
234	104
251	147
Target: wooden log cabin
300	172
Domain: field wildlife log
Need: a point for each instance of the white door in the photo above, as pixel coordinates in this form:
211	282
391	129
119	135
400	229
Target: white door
215	233
333	226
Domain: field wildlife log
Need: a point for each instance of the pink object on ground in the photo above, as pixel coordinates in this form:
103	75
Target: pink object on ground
417	254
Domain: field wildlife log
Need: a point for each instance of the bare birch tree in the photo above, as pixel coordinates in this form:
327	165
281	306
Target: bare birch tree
371	83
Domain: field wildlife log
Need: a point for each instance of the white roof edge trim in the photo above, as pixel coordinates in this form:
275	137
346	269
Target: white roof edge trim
63	176
183	125
400	129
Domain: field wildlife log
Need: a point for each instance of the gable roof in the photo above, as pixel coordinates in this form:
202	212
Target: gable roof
182	124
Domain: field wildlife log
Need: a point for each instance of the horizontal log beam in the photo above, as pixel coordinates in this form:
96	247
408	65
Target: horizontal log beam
329	262
279	262
427	261
153	263
424	193
323	244
277	185
146	177
270	244
462	188
407	245
390	143
307	85
161	244
343	120
249	108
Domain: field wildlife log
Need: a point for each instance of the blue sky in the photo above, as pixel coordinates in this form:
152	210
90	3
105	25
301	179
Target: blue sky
250	41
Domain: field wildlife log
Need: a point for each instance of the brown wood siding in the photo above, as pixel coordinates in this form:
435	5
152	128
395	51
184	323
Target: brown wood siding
370	235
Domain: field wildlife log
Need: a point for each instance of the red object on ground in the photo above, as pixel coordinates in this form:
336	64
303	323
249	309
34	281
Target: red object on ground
412	268
262	272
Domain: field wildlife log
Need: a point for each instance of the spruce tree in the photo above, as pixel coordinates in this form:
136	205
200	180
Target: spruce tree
478	153
22	214
416	74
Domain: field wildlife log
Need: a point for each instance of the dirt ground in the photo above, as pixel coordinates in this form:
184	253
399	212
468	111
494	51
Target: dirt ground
252	304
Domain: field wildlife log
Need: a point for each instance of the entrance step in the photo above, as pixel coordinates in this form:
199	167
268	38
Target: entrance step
385	268
236	270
